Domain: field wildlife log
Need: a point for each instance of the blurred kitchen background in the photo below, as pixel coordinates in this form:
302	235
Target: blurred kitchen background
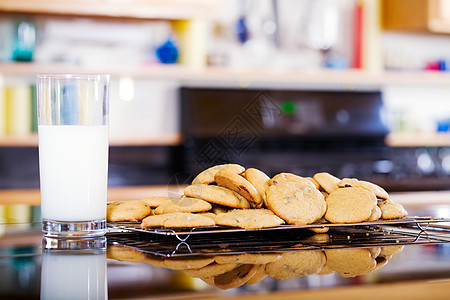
358	88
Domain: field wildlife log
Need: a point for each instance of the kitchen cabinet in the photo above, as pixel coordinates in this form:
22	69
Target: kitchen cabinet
432	16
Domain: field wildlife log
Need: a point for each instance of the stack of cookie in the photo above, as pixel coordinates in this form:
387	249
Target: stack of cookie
231	195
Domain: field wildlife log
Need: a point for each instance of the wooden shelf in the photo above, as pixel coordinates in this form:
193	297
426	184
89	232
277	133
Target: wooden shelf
243	78
119	193
19	141
418	140
392	140
155	140
135	9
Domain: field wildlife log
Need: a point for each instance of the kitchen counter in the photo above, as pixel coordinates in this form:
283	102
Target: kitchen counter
415	267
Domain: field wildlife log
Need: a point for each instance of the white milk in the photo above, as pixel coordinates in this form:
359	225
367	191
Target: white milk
73	163
74	276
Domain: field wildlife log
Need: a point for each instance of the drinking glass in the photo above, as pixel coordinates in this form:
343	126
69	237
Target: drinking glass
73	153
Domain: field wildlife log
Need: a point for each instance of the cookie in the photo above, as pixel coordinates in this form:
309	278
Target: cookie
183	204
240	185
249	218
327	181
289	177
314	182
207	176
188	220
216	194
296	264
353	182
350	205
376	214
208	214
296	203
320	229
155	221
155	201
217	209
177	220
258	179
133	210
350	262
391	210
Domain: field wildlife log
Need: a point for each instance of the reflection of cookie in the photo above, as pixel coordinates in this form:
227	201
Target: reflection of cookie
236	277
249	218
183	204
350	205
207	176
259	275
325	270
155	201
217	195
210	270
289	177
295	264
247	258
353	182
296	203
350	262
374	251
390	250
258	179
124	253
240	185
133	210
187	263
327	181
391	210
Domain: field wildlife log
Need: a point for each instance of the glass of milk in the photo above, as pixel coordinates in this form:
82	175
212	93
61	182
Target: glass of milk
73	112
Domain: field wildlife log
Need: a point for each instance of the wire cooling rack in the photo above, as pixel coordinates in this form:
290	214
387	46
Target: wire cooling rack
183	232
226	240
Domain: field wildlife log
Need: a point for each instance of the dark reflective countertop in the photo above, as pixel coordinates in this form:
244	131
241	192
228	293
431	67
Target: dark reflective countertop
133	265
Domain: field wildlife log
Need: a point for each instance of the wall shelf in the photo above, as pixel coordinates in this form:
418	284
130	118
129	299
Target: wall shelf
134	9
243	78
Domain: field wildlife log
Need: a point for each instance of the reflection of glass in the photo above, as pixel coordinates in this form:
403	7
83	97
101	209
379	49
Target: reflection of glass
76	272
